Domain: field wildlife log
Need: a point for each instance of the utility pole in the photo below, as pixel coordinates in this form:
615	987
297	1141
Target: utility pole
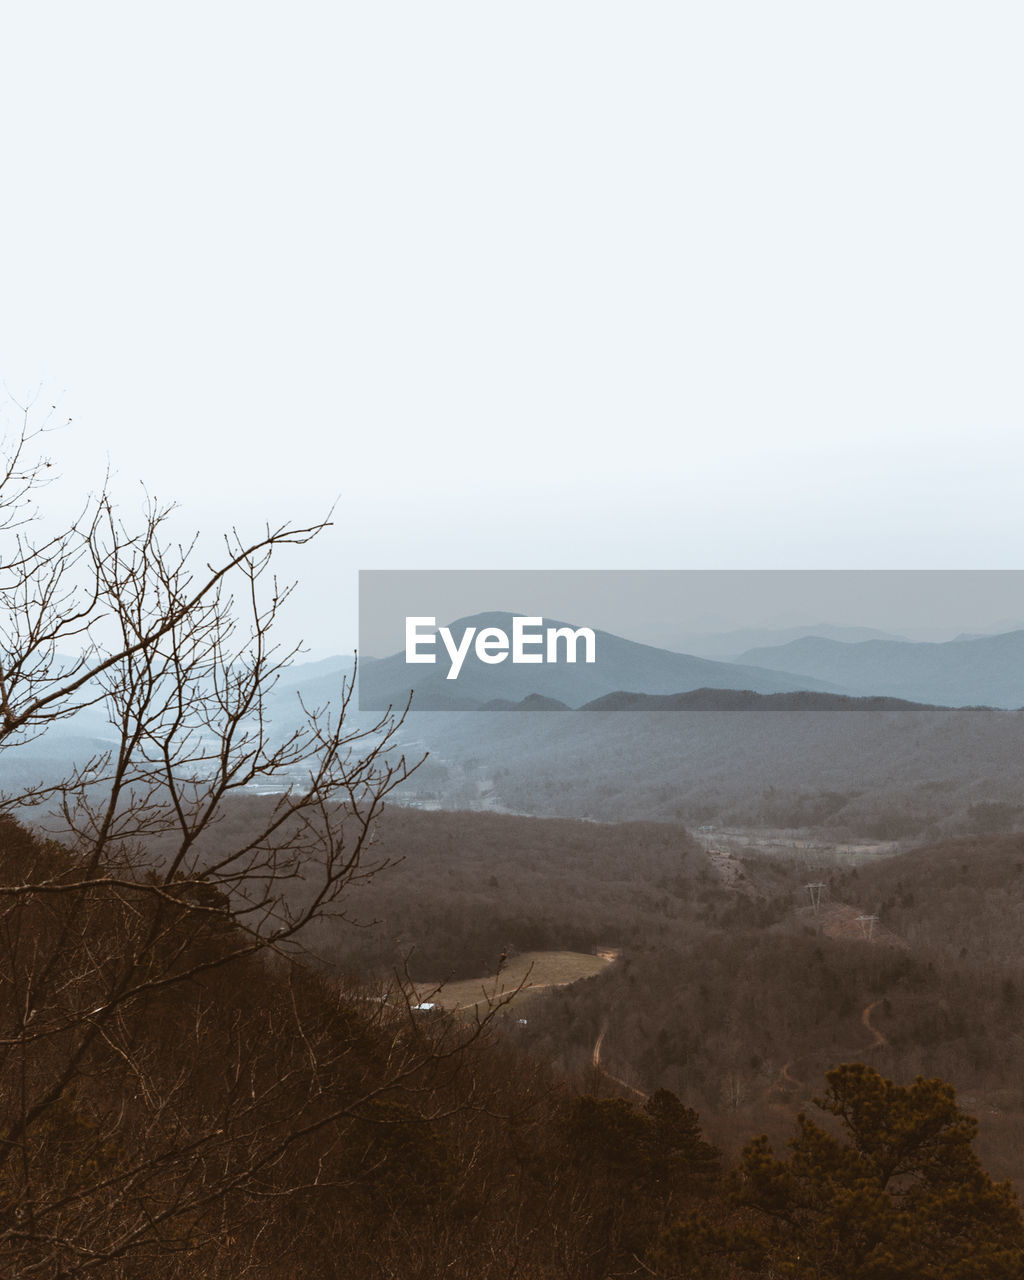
867	925
815	890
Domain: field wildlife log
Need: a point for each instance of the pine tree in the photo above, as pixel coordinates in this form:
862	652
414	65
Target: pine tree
897	1193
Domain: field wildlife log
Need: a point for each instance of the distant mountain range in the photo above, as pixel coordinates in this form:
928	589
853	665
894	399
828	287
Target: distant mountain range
972	670
742	700
713	700
977	671
621	665
698	740
726	646
969	671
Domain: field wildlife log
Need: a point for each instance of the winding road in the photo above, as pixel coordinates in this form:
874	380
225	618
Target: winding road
596	1059
880	1041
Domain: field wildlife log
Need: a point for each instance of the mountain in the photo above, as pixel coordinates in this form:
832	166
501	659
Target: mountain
726	646
533	702
621	664
982	671
993	629
964	898
741	700
303	674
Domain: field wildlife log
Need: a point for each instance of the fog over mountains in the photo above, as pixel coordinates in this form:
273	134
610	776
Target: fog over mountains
970	671
974	671
727	646
877	738
621	665
882	728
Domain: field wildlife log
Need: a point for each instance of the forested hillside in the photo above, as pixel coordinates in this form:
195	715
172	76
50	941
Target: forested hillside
731	990
178	1106
963	899
890	774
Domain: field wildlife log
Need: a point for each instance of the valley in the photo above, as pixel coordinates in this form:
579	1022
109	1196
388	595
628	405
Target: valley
735	985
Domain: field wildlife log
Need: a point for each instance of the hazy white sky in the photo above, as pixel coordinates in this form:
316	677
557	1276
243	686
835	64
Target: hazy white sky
545	285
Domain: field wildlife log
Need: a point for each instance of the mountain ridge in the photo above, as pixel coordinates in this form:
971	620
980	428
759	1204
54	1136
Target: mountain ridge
976	671
621	664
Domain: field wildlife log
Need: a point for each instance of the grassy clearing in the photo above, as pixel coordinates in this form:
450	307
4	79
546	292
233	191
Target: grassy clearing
537	969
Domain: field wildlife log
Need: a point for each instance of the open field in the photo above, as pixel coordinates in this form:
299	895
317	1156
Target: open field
535	969
795	845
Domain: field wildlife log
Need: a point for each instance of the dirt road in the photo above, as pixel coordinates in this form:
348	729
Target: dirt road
880	1041
596	1059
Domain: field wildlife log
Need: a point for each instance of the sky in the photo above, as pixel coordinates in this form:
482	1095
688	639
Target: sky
539	286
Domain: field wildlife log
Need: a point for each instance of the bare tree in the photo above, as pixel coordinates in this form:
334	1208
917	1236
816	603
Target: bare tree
137	1118
183	662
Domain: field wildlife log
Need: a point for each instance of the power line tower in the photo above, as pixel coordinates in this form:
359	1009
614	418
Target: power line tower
815	890
867	925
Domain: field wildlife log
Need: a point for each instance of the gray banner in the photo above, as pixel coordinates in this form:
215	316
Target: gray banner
469	640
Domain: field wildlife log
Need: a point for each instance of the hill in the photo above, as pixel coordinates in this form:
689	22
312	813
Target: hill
963	899
620	664
463	887
741	1023
727	646
979	671
741	700
889	773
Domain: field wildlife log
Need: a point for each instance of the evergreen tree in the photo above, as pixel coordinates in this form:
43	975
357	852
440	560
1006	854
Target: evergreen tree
897	1194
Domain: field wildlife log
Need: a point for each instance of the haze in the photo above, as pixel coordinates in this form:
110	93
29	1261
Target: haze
593	286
